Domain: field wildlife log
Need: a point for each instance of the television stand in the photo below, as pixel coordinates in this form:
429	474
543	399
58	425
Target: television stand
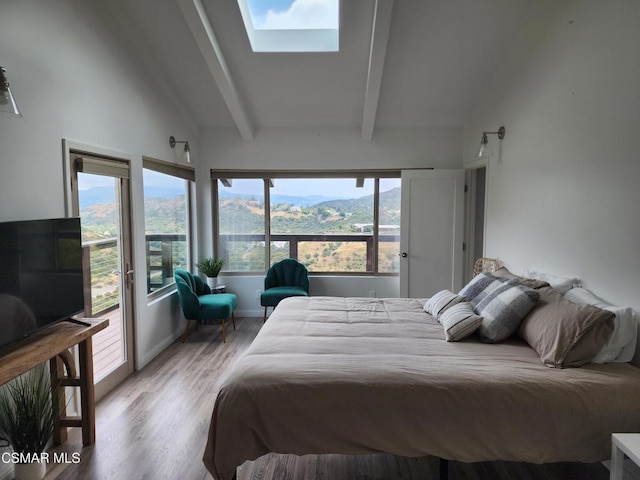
52	343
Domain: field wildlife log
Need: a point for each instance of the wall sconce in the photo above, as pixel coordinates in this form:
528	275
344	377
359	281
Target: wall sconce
484	153
173	142
8	106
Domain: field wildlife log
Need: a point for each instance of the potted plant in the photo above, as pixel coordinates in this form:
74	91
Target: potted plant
27	421
211	267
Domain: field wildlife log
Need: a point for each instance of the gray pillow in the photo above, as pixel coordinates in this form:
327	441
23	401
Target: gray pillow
480	286
503	309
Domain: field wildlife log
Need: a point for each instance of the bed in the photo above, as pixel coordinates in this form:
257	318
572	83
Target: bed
360	375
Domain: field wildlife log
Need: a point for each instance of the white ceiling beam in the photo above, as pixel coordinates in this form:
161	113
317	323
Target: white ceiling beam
377	54
200	27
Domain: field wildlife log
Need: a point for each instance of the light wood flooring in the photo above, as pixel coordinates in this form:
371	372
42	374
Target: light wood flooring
107	345
154	426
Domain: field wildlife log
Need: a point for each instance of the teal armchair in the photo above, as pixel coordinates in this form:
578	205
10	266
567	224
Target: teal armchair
286	278
200	305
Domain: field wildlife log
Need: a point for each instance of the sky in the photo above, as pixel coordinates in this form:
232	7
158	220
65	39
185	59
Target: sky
294	14
337	187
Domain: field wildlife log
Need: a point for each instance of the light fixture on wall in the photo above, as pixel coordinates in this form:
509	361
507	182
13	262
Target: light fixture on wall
484	153
8	106
173	142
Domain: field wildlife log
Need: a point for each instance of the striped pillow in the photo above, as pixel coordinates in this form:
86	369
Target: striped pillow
459	322
503	309
441	301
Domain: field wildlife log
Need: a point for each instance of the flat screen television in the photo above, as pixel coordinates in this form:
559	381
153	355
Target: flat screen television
41	279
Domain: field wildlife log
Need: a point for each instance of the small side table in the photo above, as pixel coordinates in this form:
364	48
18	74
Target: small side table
219	289
623	444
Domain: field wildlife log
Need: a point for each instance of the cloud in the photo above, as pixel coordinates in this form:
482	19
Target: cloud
304	14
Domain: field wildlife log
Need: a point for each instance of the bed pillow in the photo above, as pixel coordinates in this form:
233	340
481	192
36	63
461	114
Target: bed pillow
622	345
560	284
480	286
441	301
502	272
503	309
565	334
459	321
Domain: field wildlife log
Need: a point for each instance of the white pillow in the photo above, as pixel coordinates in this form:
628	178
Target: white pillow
442	300
559	284
459	321
622	344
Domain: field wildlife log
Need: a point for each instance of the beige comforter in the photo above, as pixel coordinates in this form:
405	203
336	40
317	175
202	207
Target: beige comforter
360	375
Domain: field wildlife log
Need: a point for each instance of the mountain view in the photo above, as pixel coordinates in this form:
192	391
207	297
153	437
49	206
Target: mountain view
297	215
244	214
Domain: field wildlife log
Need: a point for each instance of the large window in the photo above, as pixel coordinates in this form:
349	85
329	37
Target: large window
241	225
332	225
167	195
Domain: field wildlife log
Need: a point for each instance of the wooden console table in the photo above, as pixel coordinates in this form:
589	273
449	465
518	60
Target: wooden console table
53	344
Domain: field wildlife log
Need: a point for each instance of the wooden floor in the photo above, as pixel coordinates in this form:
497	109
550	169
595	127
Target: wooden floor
107	345
154	426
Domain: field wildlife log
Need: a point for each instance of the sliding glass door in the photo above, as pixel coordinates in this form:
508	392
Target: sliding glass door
102	203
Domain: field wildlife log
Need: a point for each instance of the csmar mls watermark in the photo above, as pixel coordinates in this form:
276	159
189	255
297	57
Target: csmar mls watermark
44	457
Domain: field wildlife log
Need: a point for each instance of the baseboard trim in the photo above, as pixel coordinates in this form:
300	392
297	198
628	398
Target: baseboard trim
249	313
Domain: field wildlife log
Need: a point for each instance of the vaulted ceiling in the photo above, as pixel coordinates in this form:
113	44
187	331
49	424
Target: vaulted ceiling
401	63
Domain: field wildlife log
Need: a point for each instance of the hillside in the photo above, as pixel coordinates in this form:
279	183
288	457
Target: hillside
244	215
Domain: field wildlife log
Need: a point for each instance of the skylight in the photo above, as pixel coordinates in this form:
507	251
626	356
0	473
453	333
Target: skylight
292	25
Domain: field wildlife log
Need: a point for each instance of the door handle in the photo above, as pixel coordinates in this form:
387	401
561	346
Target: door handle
129	277
403	254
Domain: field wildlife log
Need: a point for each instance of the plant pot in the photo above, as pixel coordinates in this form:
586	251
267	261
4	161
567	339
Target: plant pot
29	471
212	282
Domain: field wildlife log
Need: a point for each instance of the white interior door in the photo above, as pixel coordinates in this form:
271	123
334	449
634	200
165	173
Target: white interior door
431	232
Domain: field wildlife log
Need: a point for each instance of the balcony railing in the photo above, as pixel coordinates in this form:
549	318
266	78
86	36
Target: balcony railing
101	266
237	248
165	253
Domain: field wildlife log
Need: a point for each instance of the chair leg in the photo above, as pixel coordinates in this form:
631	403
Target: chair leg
265	315
186	330
224	331
233	319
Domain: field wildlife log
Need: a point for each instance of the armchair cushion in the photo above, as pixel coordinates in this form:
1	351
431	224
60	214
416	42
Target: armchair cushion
272	296
216	306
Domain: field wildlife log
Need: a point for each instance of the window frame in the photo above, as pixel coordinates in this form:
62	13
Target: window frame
267	175
181	172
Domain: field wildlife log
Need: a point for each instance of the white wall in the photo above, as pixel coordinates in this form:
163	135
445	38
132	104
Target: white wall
563	186
73	78
319	149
